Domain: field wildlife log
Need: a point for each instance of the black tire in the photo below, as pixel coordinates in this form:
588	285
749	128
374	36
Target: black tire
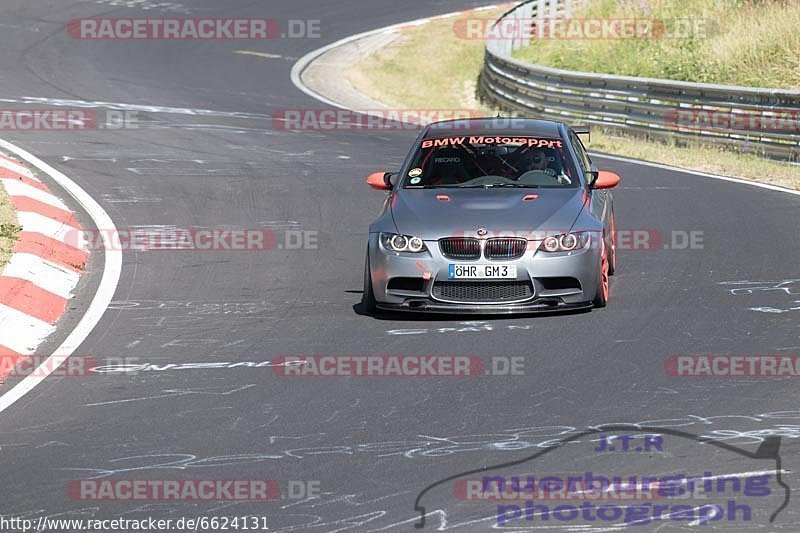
600	297
368	303
612	260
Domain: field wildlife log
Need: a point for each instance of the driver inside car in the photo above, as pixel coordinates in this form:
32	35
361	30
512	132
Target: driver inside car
540	160
544	160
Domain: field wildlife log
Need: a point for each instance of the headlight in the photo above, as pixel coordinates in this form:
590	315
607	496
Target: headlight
566	243
402	243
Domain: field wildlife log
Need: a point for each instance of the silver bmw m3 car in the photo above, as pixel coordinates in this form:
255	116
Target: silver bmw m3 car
494	215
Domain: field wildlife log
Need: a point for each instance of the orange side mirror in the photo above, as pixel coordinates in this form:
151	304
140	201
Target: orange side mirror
379	180
606	180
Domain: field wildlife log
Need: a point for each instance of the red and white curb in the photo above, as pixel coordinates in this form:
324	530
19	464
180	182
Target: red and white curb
109	280
44	270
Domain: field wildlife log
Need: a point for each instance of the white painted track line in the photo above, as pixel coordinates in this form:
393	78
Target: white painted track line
698	173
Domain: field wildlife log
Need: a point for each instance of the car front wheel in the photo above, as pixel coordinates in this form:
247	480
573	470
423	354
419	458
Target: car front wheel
368	303
612	264
603	284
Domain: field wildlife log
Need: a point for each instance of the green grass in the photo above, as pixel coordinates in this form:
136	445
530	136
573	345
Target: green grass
753	43
436	70
9	230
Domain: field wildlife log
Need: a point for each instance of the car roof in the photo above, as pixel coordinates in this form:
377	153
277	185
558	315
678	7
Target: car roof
504	126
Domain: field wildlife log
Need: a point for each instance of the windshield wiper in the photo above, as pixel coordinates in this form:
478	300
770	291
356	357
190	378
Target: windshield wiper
493	185
431	187
484	186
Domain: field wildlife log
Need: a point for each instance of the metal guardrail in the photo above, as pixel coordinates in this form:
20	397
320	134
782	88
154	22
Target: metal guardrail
646	106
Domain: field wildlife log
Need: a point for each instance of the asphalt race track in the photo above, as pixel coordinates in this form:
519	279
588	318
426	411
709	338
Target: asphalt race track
372	444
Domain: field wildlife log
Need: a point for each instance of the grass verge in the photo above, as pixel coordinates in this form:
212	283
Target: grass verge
429	67
752	43
9	229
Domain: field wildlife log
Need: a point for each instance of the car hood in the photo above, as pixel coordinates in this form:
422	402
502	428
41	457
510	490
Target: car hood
424	213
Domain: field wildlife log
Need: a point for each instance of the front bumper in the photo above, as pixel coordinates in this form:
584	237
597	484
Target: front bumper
564	281
431	306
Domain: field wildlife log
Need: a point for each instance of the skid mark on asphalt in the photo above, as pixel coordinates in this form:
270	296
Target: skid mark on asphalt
137	366
119	106
173	170
173	393
147	5
128	194
265	55
292	224
776	309
176	167
472	326
195	307
66	158
153	124
422	446
787	288
159	168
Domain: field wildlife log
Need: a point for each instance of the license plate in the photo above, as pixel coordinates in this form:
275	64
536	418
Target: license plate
473	271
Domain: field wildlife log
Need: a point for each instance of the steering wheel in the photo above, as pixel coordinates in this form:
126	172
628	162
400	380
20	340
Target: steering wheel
539	177
488	180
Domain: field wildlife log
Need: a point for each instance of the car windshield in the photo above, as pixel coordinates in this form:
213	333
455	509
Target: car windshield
482	161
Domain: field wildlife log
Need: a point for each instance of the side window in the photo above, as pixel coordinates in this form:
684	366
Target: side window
583	157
